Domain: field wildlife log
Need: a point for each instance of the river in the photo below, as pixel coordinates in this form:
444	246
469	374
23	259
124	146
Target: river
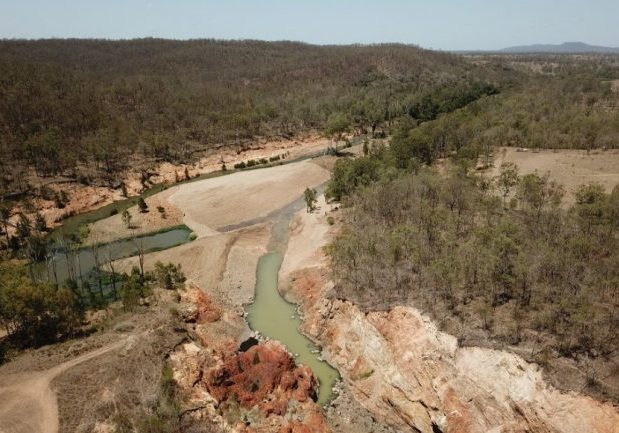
273	317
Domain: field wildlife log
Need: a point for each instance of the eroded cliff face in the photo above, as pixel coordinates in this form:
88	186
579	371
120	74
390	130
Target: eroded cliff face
401	368
413	377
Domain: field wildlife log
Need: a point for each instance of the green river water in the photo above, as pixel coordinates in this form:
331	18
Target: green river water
275	318
82	263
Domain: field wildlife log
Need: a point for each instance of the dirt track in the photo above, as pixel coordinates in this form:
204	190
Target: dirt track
29	404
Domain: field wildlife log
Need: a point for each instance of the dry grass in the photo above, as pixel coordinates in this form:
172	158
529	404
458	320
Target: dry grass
124	381
570	168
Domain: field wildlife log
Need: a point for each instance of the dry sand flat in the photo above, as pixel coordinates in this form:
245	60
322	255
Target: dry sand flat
211	204
570	168
244	197
113	228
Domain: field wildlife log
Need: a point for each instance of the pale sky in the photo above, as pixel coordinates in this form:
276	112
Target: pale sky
438	24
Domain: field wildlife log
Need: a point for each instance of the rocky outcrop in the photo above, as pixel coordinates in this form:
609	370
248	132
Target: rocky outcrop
405	371
265	376
256	388
257	391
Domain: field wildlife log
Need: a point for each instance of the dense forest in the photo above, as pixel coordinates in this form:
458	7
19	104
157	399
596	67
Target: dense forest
66	103
95	108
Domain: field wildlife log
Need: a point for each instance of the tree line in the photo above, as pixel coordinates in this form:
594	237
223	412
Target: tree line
34	312
91	109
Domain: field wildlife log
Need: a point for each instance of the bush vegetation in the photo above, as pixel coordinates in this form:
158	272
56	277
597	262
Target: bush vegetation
497	255
35	313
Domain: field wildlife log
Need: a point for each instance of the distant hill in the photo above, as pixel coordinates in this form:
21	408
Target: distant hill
566	47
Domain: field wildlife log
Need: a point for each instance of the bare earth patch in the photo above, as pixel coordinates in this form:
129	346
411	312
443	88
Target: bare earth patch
113	228
570	168
244	197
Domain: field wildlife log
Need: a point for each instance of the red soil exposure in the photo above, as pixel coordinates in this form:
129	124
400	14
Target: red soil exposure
208	312
265	376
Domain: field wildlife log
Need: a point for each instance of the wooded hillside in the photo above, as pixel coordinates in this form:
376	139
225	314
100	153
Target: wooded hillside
74	107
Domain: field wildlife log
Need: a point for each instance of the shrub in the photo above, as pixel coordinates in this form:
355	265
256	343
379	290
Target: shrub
46	192
169	276
142	205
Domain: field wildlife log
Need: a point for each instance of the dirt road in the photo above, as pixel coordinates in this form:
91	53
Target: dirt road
29	404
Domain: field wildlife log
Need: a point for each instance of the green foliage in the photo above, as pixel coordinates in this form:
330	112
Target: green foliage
24	228
97	103
169	276
75	106
350	174
538	192
590	206
446	99
126	217
337	126
417	145
507	178
133	289
36	313
36	248
40	225
142	205
309	195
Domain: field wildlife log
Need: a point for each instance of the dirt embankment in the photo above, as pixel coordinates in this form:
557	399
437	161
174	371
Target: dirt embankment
411	376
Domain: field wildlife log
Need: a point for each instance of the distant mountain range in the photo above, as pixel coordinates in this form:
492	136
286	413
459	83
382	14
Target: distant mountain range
566	47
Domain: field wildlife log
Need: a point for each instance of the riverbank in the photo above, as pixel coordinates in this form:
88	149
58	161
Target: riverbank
100	201
409	375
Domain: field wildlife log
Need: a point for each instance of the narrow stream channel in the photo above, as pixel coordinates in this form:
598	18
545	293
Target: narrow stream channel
274	317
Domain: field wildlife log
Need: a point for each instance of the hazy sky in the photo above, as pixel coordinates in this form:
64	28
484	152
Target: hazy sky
441	24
